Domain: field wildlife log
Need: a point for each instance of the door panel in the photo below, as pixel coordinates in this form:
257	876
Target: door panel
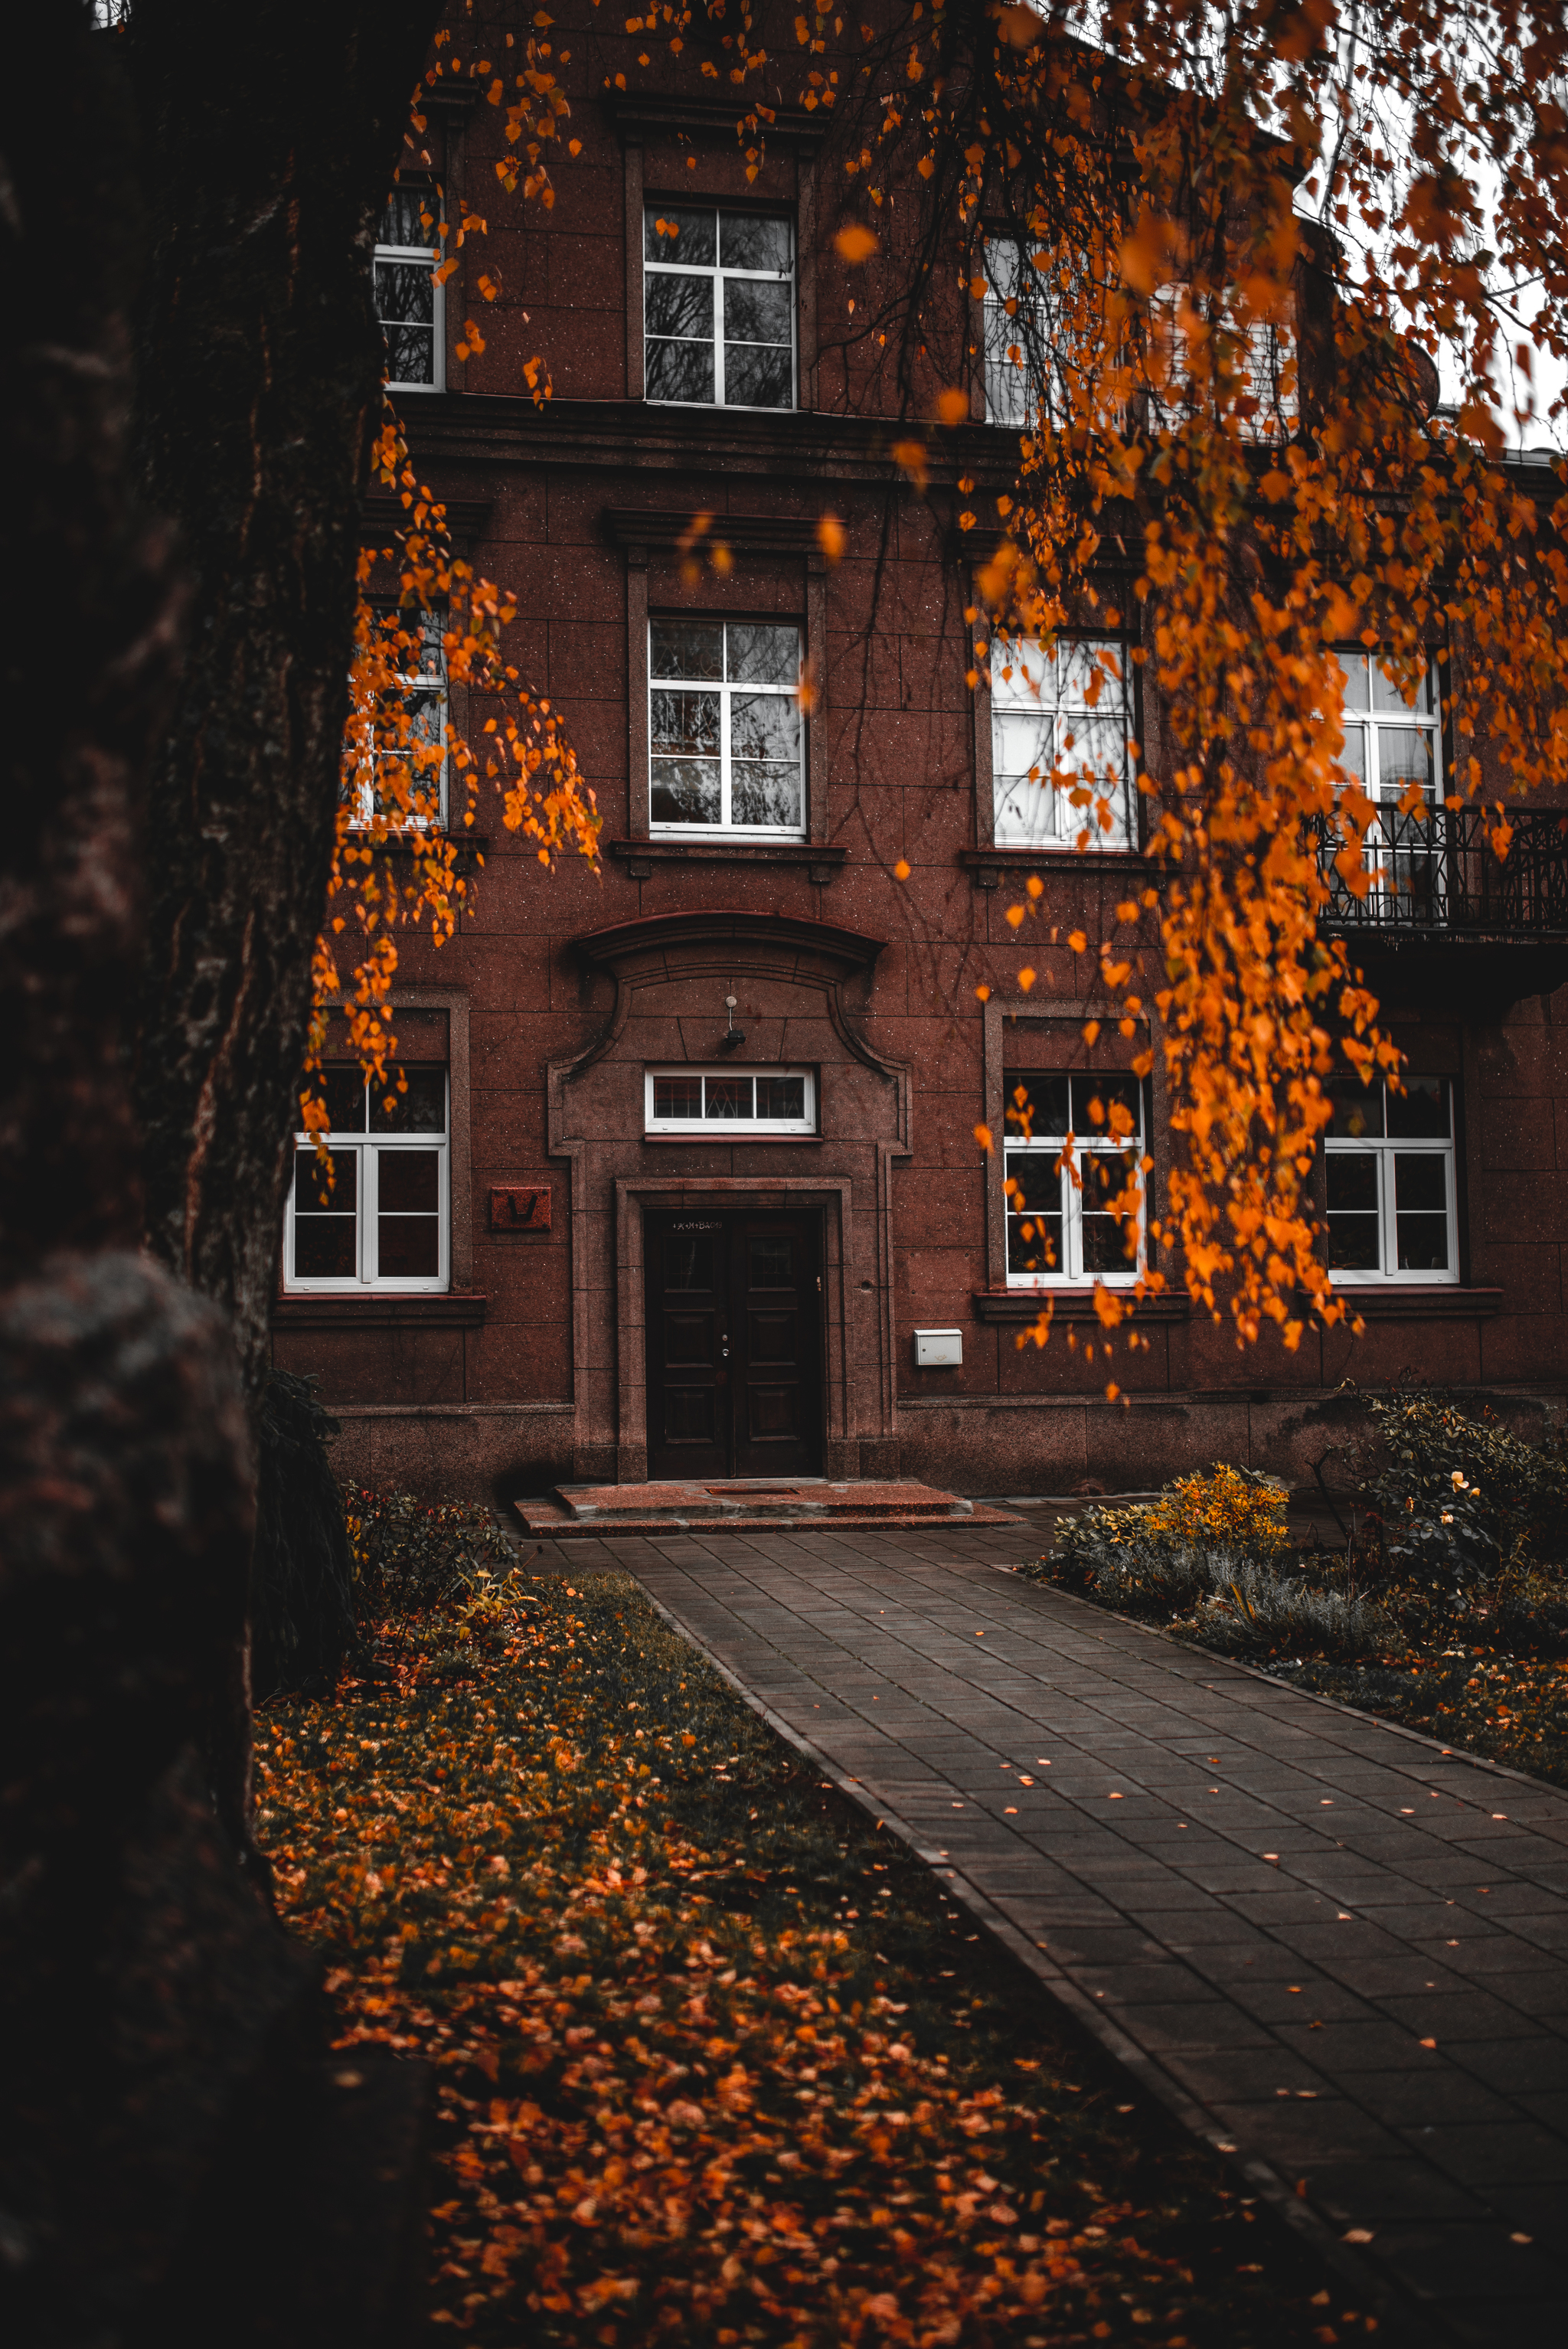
687	1306
778	1311
735	1345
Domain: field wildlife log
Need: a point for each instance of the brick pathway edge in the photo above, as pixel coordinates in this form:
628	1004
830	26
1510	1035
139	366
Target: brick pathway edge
1403	2322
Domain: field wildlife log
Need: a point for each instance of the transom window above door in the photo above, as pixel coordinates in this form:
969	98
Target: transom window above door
1067	712
729	1102
725	740
719	307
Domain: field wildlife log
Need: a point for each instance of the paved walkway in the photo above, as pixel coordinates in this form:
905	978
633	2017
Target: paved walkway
1339	1954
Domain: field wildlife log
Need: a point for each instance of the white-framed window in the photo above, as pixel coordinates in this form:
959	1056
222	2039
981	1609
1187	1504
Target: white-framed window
726	1102
1073	1144
1067	712
414	730
1390	744
410	302
726	731
1393	1209
719	306
1021	344
1392	748
1269	397
377	1216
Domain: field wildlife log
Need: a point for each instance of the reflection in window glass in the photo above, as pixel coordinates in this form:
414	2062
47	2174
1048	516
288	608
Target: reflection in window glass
1066	713
727	741
1393	748
1390	1173
408	301
719	307
726	1101
1073	1143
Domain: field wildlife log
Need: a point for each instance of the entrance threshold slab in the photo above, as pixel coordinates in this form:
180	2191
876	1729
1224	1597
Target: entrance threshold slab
740	1505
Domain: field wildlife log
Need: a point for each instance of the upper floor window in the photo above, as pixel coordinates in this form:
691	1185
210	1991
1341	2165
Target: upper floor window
1390	744
726	736
411	728
730	1101
1389	1165
408	301
1021	344
1268	396
1068	712
376	1214
1072	1149
1395	752
719	307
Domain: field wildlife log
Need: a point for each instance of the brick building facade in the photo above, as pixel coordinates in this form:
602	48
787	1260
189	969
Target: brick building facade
690	1153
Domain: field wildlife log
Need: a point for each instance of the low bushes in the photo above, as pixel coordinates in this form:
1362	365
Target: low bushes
1446	1607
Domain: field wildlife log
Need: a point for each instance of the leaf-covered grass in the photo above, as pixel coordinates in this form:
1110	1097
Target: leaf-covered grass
717	2061
1513	1708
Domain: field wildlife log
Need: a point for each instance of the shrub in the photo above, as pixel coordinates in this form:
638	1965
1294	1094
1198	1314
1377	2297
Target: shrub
1459	1500
302	1607
1156	1548
412	1557
1252	1610
1239	1509
1212	1553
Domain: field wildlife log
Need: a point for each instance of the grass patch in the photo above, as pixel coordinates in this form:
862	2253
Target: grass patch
717	2061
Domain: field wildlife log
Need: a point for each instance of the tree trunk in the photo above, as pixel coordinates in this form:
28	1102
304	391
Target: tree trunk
271	133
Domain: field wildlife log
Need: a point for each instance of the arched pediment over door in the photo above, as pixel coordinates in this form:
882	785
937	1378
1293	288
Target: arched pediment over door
802	992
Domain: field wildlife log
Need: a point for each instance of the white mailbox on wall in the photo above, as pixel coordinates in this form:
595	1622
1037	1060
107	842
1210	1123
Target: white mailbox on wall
938	1350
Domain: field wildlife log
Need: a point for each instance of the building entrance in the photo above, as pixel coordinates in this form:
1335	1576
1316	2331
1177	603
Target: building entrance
735	1344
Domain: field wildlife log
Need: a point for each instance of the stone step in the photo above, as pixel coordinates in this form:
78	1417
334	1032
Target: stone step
745	1504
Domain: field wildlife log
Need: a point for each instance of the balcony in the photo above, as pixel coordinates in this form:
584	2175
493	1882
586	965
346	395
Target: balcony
1446	916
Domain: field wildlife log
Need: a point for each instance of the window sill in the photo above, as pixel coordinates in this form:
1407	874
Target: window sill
640	857
986	866
379	1310
1013	1305
403	844
734	1136
1390	1301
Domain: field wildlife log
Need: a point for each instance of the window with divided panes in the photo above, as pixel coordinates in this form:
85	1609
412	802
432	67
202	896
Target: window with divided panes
1020	343
725	730
730	1101
719	306
376	1213
1064	713
410	728
1073	1145
1389	1167
409	299
1268	403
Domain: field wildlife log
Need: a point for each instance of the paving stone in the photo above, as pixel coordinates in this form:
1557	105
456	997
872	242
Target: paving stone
1323	1858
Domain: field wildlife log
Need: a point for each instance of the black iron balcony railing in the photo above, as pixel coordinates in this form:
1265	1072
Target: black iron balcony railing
1439	875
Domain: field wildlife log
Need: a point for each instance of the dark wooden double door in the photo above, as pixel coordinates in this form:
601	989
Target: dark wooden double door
735	1345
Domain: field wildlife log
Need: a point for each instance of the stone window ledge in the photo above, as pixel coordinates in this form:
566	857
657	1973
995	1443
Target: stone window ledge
464	1310
1395	1304
1069	1305
640	857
